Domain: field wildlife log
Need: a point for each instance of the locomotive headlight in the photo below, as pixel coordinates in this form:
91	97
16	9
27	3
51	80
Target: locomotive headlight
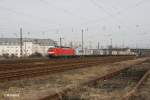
51	52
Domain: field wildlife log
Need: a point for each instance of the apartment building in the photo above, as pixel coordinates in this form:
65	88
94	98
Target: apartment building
11	46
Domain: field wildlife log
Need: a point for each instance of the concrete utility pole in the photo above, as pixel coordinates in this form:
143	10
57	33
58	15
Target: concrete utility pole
123	46
71	44
111	43
61	41
98	45
21	42
82	42
111	46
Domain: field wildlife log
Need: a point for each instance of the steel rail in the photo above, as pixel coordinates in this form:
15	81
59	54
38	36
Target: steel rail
133	91
42	70
58	95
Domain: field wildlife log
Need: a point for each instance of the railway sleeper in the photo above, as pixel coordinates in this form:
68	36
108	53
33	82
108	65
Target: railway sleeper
102	89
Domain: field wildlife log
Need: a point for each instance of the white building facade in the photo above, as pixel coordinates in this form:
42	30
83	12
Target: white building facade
113	51
11	46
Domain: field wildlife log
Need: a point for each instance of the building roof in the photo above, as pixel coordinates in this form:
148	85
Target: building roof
16	41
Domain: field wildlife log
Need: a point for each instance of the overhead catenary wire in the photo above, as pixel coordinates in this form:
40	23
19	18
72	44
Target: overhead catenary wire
46	2
42	18
113	14
27	15
67	11
79	16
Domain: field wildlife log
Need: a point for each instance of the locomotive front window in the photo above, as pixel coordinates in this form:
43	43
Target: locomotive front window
50	49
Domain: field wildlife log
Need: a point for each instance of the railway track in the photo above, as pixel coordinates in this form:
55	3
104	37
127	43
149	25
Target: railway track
5	67
117	85
13	74
142	89
18	71
109	88
65	82
32	60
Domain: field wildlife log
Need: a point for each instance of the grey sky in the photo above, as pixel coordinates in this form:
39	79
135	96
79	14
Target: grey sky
121	20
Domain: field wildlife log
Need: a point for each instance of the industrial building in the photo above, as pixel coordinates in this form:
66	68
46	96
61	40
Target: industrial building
12	46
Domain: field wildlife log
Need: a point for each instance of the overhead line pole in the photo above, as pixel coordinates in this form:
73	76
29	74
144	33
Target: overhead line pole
61	41
98	46
111	46
21	42
82	42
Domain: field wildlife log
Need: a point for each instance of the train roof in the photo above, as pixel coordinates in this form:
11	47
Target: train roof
61	47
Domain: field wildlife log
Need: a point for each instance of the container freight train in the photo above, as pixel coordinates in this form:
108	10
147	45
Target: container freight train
61	52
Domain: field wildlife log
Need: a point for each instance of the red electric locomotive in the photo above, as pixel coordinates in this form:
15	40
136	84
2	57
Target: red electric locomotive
61	52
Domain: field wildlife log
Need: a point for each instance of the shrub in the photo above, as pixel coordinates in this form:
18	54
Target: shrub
36	54
6	55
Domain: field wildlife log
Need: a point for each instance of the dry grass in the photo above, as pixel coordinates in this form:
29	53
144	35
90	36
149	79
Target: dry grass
45	85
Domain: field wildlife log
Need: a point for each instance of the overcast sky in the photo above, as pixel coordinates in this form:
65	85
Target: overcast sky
125	21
